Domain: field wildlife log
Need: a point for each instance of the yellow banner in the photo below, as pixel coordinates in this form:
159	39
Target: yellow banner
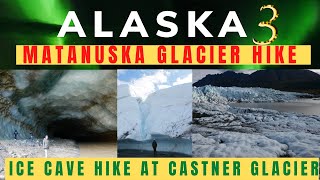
173	168
163	55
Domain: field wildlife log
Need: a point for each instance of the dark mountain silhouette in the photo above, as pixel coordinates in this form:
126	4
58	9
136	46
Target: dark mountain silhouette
286	80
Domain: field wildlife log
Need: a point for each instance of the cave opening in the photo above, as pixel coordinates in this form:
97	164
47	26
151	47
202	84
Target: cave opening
78	131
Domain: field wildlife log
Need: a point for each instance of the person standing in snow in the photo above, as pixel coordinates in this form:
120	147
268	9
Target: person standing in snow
154	146
45	145
15	134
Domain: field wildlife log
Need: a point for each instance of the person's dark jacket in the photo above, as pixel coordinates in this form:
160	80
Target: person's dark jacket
154	145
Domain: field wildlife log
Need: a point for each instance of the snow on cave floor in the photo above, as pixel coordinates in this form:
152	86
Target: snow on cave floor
59	148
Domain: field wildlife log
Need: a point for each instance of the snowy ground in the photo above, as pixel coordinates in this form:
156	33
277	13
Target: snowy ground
32	149
223	131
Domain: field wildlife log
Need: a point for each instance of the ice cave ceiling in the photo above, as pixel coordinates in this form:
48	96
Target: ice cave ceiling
64	104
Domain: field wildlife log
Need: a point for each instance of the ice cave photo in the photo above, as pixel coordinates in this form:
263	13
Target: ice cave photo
76	110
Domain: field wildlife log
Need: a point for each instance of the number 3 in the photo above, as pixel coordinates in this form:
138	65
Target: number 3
268	24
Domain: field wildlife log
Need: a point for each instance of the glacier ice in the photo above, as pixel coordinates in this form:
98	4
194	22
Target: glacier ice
220	130
166	111
31	100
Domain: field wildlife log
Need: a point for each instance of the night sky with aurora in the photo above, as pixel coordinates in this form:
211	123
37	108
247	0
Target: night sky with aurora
38	22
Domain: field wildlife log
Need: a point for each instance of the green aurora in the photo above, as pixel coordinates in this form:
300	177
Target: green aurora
297	21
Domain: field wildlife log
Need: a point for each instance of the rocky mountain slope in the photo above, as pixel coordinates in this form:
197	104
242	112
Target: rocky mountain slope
286	80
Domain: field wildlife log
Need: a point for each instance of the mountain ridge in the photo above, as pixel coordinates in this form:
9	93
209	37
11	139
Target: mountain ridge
304	81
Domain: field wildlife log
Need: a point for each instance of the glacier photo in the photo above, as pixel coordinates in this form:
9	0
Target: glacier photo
255	121
163	115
